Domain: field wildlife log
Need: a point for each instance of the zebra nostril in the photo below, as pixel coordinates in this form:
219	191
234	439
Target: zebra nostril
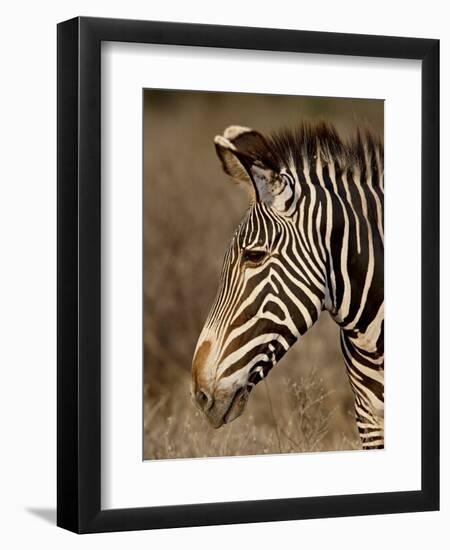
204	400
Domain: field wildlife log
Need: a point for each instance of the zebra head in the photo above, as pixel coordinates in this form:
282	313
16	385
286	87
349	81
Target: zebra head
272	284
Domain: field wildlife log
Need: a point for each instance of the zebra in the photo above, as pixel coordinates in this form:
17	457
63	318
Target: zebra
311	240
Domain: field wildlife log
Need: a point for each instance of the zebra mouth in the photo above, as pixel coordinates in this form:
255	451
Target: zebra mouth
236	405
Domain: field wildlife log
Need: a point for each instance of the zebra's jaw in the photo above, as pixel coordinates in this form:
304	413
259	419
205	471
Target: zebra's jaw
236	405
258	374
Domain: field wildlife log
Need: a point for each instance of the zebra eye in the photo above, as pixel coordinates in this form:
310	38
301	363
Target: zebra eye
253	256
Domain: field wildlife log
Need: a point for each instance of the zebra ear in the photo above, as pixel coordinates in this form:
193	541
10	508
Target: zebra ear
231	163
236	148
241	151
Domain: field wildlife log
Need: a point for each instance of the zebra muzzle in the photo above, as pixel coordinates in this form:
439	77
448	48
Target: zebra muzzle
237	405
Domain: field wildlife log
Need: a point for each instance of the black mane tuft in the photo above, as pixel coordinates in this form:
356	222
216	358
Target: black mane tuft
304	143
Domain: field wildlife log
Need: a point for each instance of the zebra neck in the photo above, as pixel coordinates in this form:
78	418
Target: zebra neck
340	218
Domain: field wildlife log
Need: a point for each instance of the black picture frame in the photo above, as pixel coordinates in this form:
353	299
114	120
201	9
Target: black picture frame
79	280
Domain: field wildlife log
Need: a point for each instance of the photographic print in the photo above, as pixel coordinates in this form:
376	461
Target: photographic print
221	274
263	294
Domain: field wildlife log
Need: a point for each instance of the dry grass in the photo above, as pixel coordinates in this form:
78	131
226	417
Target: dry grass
301	422
190	212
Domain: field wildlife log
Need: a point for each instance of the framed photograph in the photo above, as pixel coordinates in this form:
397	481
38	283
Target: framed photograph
223	275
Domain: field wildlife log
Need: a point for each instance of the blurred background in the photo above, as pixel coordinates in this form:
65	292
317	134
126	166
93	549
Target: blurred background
191	209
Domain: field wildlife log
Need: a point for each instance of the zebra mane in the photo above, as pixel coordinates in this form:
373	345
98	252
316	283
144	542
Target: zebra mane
303	144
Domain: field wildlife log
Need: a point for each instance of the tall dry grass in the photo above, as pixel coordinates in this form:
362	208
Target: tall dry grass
190	211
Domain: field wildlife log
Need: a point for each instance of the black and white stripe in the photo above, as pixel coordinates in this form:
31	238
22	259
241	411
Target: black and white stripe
312	239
